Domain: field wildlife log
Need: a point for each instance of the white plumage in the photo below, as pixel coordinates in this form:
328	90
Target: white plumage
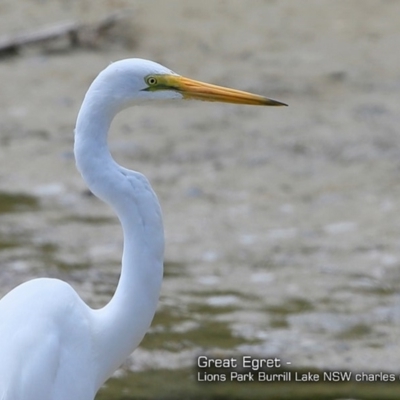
52	345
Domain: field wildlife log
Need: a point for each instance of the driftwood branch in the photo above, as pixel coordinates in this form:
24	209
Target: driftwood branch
76	34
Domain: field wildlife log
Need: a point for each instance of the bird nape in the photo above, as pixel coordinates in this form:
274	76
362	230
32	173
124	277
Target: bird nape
52	345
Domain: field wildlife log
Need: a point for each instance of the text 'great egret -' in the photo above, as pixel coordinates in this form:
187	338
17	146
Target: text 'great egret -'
52	345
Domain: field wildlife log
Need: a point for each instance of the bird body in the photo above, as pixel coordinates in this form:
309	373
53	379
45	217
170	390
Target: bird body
51	349
52	345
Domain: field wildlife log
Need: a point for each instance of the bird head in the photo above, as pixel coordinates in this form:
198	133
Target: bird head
126	82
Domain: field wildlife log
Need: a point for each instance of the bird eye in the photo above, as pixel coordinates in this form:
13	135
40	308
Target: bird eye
151	80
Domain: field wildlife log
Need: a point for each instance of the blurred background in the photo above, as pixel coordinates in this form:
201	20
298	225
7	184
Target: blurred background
282	224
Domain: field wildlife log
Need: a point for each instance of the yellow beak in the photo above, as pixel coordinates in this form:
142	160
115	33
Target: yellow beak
191	89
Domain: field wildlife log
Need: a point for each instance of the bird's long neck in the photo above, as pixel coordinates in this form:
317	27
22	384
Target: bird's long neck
119	327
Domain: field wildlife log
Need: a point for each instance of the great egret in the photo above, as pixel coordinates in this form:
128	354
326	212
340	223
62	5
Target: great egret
52	345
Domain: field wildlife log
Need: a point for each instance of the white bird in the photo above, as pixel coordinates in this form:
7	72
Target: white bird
52	345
